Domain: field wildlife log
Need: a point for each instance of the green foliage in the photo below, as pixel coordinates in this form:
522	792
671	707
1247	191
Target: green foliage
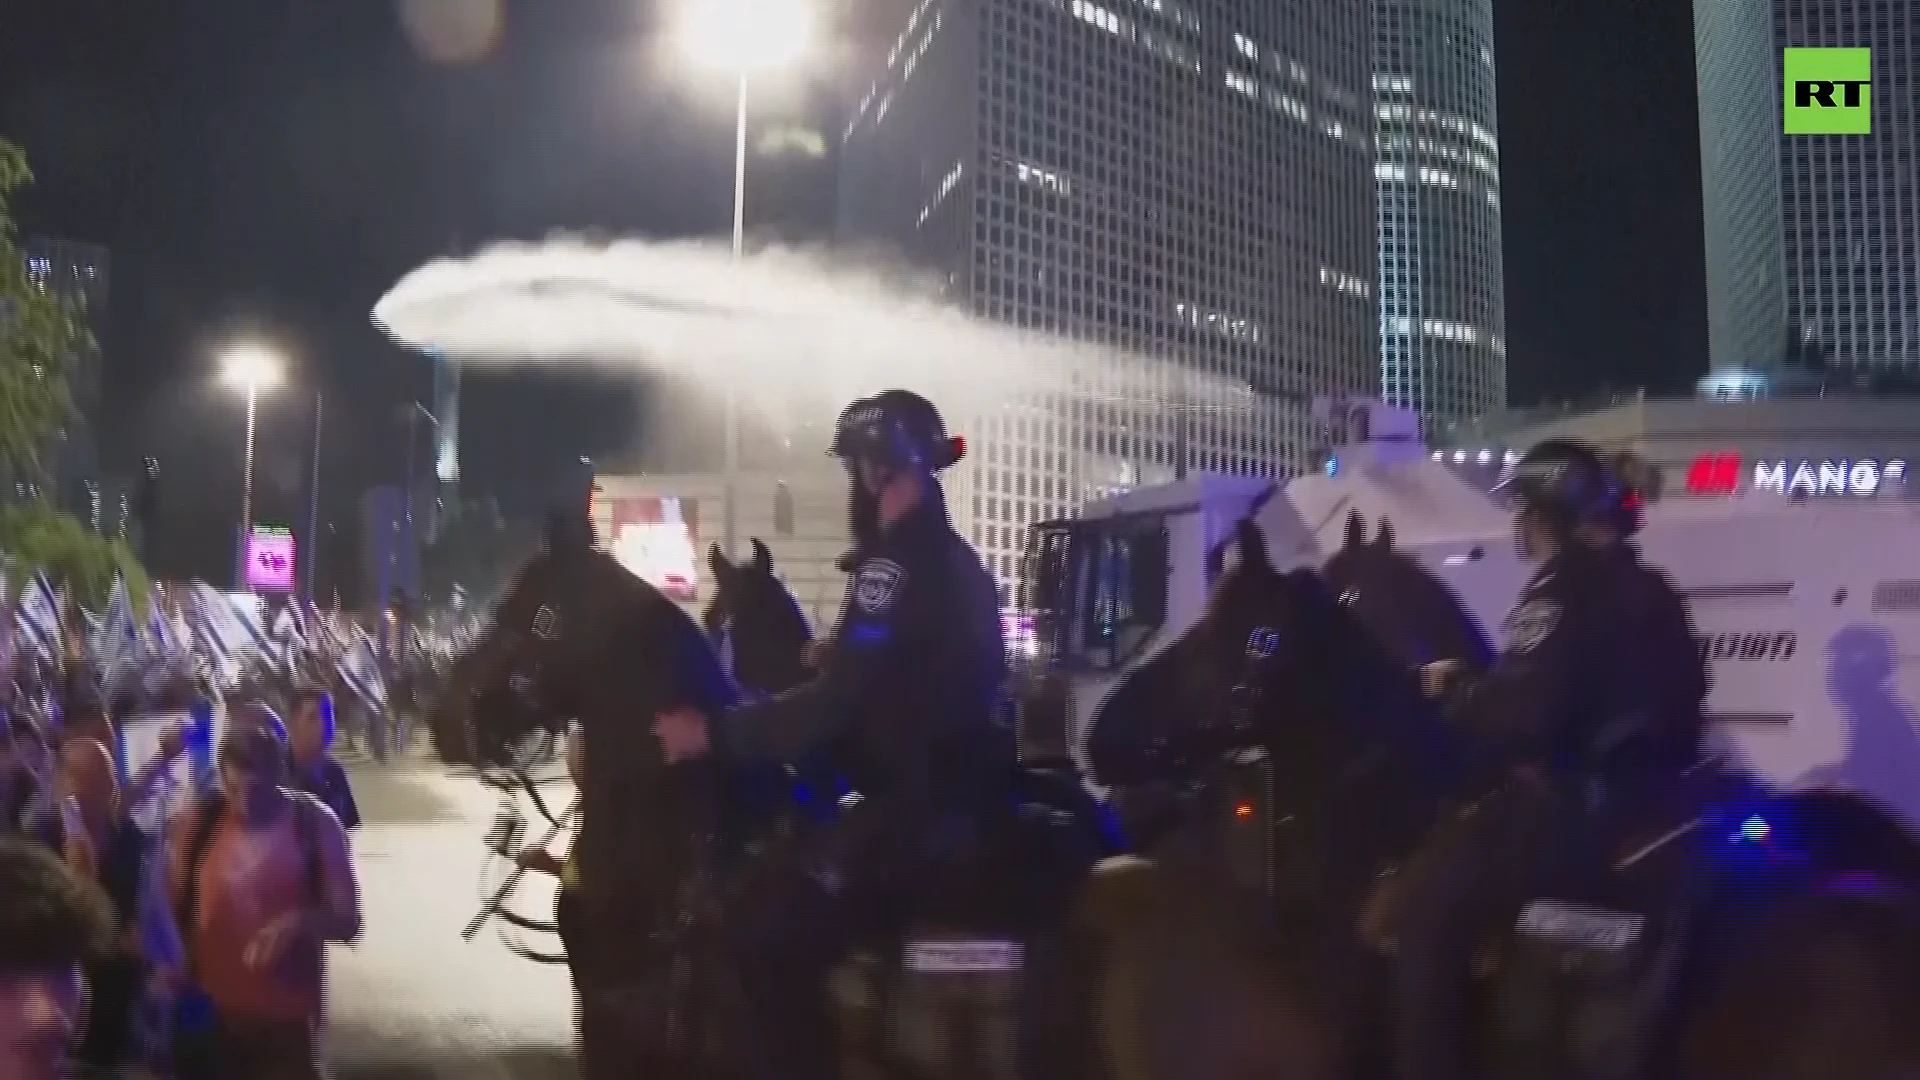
37	537
41	332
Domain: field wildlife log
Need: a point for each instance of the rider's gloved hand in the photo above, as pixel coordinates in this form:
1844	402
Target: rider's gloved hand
682	733
1437	678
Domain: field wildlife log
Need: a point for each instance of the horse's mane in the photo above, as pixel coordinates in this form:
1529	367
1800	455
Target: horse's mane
700	679
1378	688
1355	676
1415	588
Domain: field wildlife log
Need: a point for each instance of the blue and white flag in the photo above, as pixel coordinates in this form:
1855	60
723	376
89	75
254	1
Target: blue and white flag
248	616
359	668
161	638
117	642
37	618
290	630
215	630
217	634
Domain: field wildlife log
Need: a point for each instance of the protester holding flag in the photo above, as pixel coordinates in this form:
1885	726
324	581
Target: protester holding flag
104	845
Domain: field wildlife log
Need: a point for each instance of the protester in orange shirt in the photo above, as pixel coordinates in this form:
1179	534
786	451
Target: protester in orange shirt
264	880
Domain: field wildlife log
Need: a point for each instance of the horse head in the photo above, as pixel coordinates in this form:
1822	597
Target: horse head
1415	615
756	623
576	639
1358	755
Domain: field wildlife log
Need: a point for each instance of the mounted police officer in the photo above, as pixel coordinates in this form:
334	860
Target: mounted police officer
908	693
1671	743
1569	679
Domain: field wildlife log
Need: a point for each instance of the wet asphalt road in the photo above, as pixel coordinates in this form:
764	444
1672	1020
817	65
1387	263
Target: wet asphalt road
412	1001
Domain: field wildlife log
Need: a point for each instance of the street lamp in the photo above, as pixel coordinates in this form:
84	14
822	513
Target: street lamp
249	368
743	37
415	410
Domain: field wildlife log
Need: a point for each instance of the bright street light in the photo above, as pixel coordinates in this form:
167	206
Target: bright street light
252	367
743	37
746	35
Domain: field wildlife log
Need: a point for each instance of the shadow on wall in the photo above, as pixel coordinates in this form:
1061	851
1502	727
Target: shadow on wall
1883	750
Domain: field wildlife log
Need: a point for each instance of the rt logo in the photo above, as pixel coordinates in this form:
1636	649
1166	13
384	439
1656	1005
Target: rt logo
1828	91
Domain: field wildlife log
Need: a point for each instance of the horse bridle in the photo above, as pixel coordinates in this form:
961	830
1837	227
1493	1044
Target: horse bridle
1257	663
729	657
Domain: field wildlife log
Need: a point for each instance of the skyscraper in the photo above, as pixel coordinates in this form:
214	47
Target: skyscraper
1182	180
1808	237
1443	347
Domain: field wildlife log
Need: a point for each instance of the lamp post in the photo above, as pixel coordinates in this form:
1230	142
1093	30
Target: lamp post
415	410
742	36
313	501
249	368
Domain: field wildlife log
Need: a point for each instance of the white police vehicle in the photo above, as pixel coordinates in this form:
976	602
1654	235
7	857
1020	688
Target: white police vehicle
1808	610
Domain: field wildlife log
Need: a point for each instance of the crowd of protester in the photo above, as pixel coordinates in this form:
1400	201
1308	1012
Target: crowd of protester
158	919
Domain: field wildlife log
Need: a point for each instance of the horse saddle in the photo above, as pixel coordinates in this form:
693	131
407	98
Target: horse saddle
1587	985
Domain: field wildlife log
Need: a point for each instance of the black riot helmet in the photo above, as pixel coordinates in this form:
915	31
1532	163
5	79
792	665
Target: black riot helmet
1566	483
897	429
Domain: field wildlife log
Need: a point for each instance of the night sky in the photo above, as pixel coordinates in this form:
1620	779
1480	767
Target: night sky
276	165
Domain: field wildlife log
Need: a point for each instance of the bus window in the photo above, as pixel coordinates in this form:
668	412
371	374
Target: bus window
1098	589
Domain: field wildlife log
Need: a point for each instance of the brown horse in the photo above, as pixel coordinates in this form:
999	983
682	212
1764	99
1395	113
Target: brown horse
1808	973
578	638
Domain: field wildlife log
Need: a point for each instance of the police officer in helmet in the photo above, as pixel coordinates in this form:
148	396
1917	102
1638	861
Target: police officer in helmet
908	694
1567	678
1671	743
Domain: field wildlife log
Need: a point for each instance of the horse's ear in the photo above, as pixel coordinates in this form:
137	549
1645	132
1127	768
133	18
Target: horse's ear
1383	538
1253	544
1356	530
718	563
762	558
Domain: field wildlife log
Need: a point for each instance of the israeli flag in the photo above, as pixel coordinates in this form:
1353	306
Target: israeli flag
248	616
37	619
359	669
216	634
161	634
119	638
215	630
289	628
119	647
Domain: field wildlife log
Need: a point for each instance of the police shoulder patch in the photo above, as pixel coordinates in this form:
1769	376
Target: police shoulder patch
1532	623
877	585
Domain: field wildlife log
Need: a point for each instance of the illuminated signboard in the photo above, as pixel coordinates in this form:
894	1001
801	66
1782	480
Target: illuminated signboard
1714	474
655	537
1720	474
270	553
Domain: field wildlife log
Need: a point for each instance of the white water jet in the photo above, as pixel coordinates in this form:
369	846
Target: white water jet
797	333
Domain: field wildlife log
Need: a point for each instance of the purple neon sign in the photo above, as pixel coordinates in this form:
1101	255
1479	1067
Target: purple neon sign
270	560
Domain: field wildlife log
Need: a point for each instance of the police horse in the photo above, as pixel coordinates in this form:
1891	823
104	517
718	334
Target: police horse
1791	951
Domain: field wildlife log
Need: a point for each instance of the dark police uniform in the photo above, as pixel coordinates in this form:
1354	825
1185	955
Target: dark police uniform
1569	677
1676	670
909	693
913	682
